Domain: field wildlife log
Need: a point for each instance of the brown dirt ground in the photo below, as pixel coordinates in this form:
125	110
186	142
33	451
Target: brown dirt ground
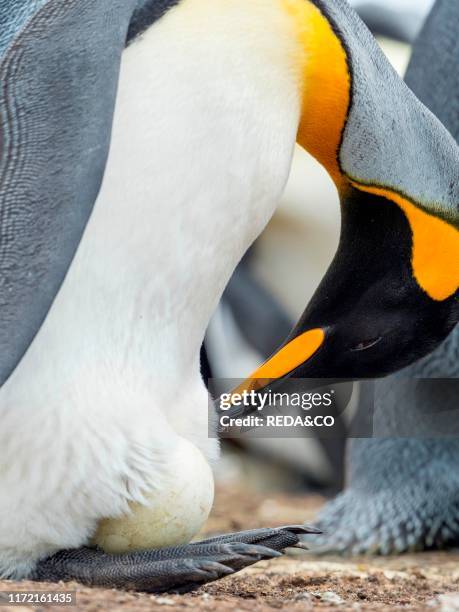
300	582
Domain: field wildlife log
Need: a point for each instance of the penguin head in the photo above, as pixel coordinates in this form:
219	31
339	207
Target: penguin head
375	313
371	314
390	295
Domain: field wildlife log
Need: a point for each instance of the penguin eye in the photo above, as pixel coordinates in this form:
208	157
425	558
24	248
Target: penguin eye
363	346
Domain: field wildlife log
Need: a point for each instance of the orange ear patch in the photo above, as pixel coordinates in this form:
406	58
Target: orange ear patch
435	257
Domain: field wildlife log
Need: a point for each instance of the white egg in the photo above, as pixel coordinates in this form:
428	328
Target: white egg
173	514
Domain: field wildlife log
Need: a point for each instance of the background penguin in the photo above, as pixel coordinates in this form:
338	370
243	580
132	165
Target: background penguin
121	410
400	19
403	493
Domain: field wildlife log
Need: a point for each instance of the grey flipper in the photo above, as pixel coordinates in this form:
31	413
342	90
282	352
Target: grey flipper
403	493
59	64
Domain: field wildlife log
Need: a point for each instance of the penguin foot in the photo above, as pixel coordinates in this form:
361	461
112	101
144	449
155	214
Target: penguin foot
179	569
386	523
403	496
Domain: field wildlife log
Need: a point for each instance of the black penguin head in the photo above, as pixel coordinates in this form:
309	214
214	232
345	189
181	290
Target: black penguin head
376	317
369	316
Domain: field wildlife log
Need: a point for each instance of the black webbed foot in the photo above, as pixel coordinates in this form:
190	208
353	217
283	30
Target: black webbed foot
180	568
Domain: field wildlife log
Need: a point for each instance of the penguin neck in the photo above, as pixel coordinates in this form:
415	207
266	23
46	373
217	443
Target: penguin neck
325	86
327	69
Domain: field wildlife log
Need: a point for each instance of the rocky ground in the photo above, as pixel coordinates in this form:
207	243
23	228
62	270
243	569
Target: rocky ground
298	582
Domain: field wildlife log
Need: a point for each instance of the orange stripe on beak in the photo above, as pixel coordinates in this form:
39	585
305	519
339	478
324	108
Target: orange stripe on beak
287	359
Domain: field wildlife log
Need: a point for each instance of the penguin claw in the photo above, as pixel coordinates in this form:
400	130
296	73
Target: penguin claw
209	570
176	569
300	545
277	538
251	550
303	529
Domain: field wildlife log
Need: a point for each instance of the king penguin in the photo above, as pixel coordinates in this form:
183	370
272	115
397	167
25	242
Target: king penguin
103	367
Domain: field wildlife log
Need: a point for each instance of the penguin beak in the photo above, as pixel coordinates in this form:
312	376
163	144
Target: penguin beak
289	357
